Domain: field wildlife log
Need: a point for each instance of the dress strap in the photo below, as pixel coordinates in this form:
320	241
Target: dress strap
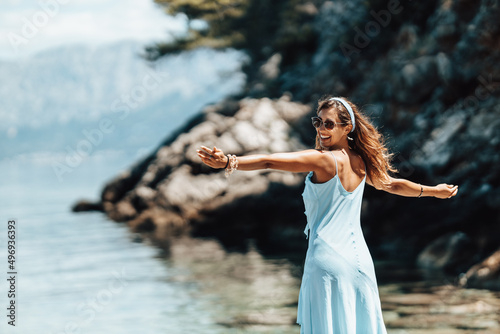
336	169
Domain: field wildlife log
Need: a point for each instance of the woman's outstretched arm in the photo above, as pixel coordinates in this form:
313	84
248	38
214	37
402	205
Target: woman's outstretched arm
297	162
403	187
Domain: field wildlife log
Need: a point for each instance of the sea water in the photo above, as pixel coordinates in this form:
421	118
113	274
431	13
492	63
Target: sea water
82	273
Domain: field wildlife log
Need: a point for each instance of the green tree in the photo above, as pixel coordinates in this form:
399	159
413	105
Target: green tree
260	27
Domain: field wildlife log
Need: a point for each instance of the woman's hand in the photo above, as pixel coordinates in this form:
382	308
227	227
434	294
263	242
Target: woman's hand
214	158
444	190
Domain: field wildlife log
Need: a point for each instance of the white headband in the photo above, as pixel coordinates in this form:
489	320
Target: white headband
349	109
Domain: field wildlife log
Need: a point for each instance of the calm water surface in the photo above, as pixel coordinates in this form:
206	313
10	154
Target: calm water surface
81	273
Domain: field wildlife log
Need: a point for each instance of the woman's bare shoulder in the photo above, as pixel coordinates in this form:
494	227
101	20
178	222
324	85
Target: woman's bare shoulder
352	161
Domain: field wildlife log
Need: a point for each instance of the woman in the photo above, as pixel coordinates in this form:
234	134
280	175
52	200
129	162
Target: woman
339	292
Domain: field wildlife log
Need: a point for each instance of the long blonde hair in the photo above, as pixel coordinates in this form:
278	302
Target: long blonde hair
367	141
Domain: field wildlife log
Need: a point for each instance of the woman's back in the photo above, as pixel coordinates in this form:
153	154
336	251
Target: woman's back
339	289
329	205
350	166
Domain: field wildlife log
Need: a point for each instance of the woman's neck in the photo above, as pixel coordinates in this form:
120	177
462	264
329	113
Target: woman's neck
341	146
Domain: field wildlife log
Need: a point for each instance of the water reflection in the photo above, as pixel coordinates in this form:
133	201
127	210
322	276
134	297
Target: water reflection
243	291
251	293
421	307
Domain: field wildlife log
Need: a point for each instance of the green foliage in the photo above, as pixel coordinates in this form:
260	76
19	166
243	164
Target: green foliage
210	10
260	27
220	16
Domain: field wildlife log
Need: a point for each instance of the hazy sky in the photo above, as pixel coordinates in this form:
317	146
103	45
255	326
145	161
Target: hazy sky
28	26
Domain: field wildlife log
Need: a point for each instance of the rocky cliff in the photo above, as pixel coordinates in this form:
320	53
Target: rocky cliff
426	73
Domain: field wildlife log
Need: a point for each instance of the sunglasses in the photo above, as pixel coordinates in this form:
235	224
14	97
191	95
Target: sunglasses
329	125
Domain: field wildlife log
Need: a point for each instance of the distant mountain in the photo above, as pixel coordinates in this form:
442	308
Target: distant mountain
57	98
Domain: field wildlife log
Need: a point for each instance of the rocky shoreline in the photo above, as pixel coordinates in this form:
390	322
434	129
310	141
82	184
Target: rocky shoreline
430	80
171	193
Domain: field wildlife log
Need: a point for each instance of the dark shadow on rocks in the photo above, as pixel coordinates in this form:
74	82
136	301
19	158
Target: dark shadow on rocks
84	205
273	219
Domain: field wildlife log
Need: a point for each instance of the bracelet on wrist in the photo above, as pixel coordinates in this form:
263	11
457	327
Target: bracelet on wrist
421	191
227	163
232	164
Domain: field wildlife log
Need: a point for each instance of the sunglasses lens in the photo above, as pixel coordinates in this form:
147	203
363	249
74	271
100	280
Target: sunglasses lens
316	122
329	125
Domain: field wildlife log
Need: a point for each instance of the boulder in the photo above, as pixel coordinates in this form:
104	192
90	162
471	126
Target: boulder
172	192
484	275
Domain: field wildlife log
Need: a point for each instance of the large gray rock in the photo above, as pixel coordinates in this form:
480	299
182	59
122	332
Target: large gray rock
172	192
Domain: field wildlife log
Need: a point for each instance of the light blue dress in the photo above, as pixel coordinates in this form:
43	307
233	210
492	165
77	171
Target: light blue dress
339	293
